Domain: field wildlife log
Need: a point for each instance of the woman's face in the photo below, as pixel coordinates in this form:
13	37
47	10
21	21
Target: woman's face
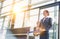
45	13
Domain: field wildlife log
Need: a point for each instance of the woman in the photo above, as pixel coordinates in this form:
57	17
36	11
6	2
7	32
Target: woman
47	24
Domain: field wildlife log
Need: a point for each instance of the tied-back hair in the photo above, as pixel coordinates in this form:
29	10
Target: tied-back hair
47	12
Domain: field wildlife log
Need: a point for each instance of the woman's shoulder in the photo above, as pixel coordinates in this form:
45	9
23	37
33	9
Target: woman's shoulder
49	17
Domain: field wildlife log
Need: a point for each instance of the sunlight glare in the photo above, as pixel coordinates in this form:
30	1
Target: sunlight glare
19	7
16	8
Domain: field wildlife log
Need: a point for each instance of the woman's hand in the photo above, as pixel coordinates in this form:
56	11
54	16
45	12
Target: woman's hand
42	29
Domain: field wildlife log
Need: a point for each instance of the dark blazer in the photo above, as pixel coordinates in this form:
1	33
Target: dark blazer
47	23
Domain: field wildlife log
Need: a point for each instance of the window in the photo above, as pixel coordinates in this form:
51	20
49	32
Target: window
0	5
34	12
6	22
32	19
1	23
58	0
6	9
18	0
19	20
21	6
7	2
41	3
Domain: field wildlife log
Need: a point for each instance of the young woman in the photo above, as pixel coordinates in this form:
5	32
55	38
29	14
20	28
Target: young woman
47	24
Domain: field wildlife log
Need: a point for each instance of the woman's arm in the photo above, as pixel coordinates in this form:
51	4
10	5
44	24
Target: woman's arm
49	24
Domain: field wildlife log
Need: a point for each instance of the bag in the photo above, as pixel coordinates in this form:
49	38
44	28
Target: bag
39	30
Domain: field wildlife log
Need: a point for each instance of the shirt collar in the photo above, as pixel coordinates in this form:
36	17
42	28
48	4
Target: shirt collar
48	17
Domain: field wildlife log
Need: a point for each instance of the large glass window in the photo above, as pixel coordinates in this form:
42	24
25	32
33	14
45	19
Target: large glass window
7	2
6	22
0	5
20	6
6	9
1	23
19	20
41	3
34	12
58	0
17	0
32	19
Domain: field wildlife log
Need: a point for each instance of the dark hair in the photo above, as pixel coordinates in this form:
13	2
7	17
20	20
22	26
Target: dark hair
47	11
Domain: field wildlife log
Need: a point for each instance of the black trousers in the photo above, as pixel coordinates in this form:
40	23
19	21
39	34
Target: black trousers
45	35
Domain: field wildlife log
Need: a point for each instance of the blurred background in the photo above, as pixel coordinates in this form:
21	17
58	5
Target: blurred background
19	17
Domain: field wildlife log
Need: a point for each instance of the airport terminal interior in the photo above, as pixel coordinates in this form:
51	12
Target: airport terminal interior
19	17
